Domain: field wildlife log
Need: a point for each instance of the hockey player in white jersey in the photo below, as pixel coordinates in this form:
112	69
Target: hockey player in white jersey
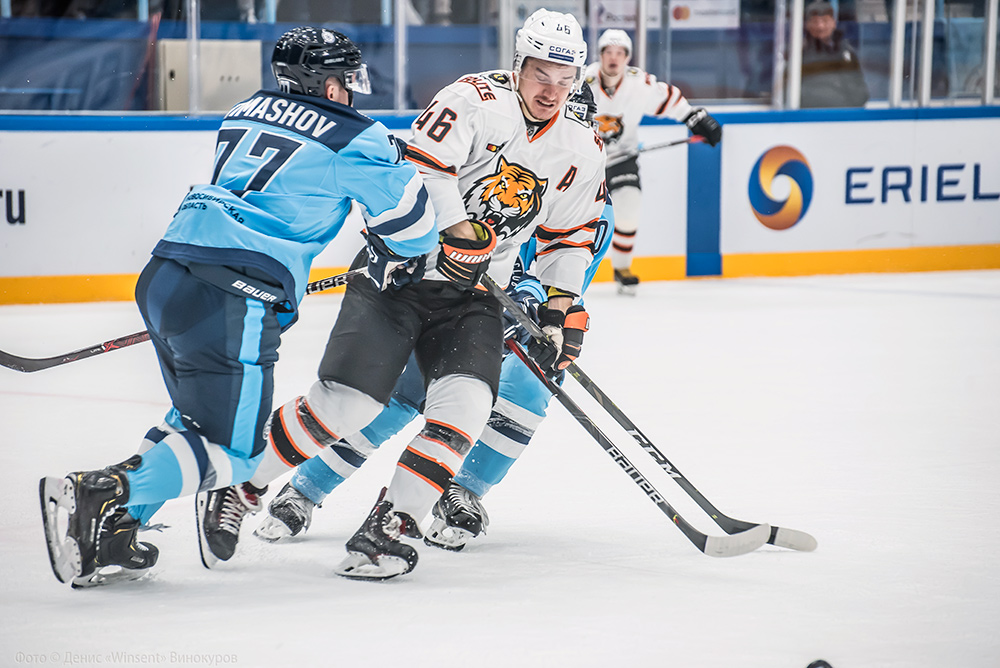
624	95
519	409
458	515
502	147
498	150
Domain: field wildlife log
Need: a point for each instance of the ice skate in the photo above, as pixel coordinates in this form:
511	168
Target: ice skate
459	517
220	514
74	512
627	281
375	551
119	555
289	514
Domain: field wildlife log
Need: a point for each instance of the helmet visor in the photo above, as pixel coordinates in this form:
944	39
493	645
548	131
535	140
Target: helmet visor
358	81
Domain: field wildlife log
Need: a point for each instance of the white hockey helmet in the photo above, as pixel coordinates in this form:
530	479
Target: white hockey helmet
615	37
554	37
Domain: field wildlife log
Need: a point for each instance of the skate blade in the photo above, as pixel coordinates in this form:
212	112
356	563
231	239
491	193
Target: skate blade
208	560
64	553
627	290
357	566
442	536
110	575
272	530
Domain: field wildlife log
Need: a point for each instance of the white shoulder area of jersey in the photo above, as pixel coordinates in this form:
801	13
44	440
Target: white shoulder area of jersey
591	72
579	138
484	86
638	73
488	97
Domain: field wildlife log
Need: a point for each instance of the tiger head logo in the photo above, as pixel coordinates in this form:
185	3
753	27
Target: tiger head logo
508	199
609	127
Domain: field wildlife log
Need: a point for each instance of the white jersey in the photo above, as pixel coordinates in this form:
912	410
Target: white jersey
619	114
473	148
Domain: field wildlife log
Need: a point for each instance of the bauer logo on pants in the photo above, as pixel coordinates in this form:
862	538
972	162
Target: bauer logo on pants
780	214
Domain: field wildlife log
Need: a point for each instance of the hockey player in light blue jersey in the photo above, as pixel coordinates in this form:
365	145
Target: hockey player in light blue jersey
516	415
223	284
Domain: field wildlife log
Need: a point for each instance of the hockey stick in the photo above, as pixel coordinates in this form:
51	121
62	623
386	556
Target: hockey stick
693	139
788	538
29	364
714	546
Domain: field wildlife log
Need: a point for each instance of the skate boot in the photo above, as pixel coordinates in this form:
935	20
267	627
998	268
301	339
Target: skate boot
220	513
288	514
74	512
626	280
459	517
375	551
119	555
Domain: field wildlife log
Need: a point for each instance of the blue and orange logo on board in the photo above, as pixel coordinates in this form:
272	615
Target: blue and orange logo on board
780	161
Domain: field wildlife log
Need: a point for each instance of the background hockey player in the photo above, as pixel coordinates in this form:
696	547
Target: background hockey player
226	280
516	415
624	95
498	150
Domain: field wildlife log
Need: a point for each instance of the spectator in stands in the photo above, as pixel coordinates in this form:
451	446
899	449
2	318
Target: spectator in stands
831	73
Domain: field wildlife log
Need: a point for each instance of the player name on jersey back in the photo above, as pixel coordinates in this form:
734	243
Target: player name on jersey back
313	118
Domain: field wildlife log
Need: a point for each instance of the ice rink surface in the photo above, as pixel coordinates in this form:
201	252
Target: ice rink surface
862	409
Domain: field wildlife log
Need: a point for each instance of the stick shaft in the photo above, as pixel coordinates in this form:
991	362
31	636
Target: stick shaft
790	538
29	364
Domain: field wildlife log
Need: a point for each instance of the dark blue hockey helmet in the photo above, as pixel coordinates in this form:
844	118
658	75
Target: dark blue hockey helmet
304	58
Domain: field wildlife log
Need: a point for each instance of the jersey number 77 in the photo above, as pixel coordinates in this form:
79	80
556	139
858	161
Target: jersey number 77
269	153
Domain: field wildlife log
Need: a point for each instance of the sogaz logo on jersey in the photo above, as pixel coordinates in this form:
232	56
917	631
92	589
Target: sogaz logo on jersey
780	214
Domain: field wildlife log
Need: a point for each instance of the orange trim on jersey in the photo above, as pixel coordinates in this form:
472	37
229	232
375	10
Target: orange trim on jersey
545	128
424	478
563	244
666	103
569	231
425	159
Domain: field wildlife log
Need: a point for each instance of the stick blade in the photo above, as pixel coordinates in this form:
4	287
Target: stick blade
738	543
793	539
16	363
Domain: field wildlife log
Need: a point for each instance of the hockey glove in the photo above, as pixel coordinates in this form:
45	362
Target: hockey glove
464	261
701	123
565	332
386	269
528	301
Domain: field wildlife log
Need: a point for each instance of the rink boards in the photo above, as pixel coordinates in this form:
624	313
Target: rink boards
84	199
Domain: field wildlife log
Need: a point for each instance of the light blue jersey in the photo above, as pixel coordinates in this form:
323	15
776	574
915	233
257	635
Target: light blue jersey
286	170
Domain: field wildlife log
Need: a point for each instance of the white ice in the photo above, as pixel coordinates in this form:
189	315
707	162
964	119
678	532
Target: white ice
862	409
